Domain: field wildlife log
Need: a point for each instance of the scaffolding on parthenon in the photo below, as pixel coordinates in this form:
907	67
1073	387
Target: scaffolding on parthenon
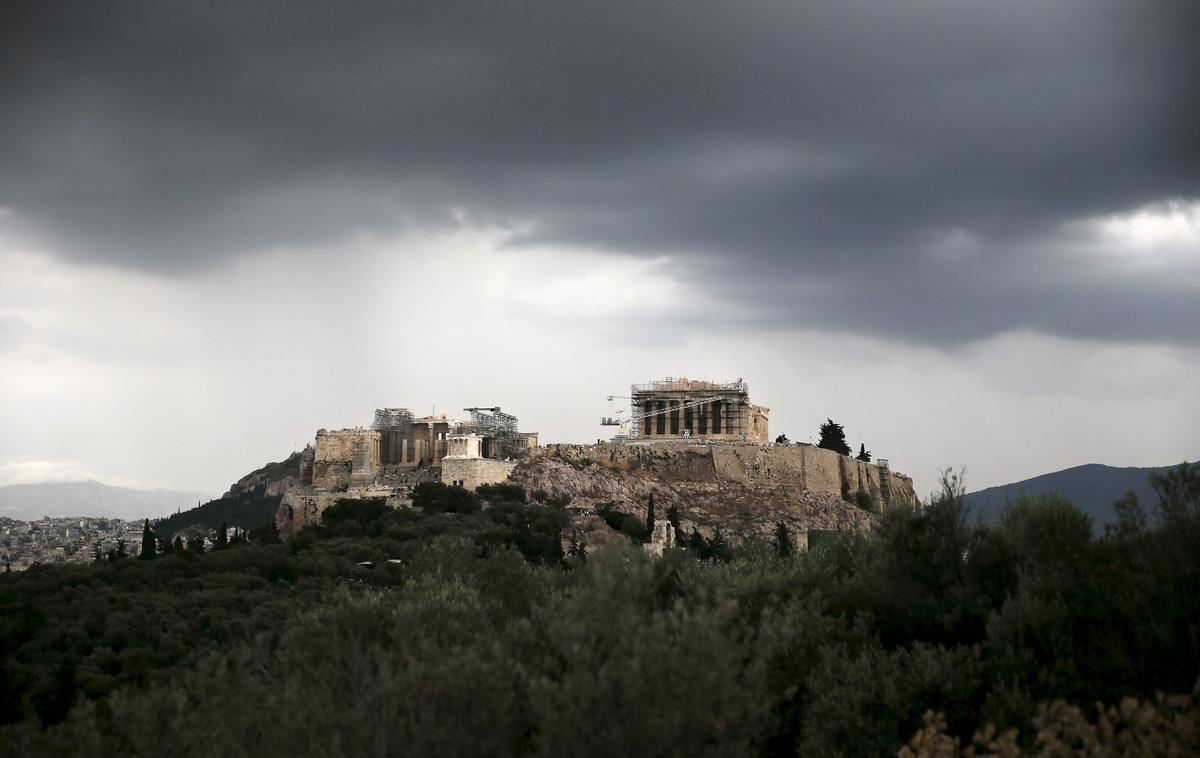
713	407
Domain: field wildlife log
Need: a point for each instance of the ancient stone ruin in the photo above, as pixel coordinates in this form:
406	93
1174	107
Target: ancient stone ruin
692	409
697	448
397	452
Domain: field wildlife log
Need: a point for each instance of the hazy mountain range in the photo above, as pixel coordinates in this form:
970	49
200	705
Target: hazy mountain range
1093	487
29	502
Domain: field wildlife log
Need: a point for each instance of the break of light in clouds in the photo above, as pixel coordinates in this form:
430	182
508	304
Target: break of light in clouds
188	383
967	231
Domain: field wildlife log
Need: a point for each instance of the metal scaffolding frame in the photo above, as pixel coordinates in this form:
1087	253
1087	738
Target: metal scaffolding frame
731	414
501	428
394	426
392	419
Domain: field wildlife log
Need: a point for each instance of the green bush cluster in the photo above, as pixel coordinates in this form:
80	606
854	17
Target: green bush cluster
483	641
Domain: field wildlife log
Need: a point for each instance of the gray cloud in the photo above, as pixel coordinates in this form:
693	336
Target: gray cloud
902	169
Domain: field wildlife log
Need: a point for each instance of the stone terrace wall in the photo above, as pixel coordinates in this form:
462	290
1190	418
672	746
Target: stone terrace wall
473	472
808	468
743	488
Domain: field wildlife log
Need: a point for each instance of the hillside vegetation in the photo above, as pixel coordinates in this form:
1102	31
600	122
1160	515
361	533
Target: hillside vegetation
484	639
249	504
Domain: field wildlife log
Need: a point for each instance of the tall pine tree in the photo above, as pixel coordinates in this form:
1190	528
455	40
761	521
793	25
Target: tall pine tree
717	546
783	540
196	543
673	520
650	518
148	542
833	437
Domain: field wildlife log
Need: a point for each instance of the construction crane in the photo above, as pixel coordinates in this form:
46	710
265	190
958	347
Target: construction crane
613	421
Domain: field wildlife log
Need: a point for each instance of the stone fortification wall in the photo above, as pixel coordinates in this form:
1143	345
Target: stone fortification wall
338	444
808	468
744	489
472	472
301	507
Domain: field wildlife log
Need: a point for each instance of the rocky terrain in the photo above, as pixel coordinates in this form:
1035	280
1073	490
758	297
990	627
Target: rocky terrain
729	488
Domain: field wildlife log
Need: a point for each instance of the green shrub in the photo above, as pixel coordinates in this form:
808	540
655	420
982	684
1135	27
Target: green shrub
433	497
865	500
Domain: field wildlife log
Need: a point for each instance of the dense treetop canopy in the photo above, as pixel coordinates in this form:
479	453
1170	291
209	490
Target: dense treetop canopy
299	648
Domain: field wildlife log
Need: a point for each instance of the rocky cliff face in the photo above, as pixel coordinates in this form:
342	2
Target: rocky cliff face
269	481
744	489
251	501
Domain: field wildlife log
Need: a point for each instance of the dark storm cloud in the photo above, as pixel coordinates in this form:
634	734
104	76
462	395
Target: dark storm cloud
807	156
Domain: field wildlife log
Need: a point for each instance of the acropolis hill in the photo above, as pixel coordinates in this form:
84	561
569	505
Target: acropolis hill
701	448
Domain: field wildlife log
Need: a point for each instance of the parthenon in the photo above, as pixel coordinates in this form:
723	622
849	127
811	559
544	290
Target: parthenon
693	409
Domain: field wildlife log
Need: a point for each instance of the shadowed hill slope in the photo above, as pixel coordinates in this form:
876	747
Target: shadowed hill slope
250	503
1093	487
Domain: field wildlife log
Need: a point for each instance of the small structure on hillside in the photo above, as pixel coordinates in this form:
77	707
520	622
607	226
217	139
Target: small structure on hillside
662	538
466	466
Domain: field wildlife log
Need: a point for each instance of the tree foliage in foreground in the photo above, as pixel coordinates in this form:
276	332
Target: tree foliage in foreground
928	633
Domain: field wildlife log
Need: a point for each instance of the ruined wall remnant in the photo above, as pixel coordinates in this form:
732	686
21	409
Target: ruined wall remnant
343	456
396	453
303	506
473	472
662	538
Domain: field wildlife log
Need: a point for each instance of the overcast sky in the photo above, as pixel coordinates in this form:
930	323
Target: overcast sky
969	231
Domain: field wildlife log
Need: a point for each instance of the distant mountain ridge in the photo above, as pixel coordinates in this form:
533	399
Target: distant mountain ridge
1093	487
30	502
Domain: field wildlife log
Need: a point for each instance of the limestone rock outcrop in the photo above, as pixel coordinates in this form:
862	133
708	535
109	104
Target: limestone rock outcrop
271	480
745	489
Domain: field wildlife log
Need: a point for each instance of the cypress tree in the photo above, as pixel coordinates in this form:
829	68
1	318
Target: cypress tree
783	540
148	542
650	519
222	540
863	453
717	546
833	437
673	520
178	543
